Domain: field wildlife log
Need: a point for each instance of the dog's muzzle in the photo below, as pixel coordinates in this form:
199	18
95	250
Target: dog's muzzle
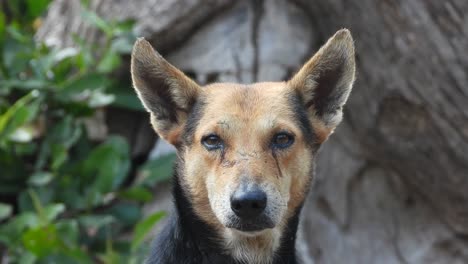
249	206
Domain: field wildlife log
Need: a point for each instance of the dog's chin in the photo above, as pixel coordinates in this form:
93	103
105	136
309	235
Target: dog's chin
251	227
250	233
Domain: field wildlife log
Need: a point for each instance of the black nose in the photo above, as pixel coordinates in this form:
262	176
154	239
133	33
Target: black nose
248	204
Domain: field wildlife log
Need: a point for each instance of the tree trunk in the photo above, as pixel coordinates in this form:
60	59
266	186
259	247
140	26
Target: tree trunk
392	182
401	188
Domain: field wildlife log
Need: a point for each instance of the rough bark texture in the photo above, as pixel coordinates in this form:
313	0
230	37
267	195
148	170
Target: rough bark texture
167	23
392	182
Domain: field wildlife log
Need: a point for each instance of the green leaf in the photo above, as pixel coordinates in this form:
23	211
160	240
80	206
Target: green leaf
27	258
110	256
157	170
23	134
18	49
26	149
59	155
24	220
85	58
123	45
68	232
124	27
96	21
91	81
36	203
40	178
19	35
127	214
41	241
109	62
5	210
47	214
11	231
139	194
96	221
66	132
51	212
29	84
144	227
2	27
100	99
64	54
23	111
125	98
87	89
110	163
37	7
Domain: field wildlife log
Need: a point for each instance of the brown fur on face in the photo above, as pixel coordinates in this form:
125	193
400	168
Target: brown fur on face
246	118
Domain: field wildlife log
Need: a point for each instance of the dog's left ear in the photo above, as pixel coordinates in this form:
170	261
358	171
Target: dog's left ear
166	92
325	82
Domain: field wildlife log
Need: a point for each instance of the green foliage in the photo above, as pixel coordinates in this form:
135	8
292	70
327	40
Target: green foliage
144	227
66	198
157	170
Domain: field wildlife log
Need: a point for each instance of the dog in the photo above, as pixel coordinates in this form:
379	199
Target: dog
245	153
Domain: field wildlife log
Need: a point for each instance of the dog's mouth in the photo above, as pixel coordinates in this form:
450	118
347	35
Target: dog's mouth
251	225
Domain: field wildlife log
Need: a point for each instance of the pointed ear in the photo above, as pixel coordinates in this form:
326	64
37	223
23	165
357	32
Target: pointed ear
164	90
325	82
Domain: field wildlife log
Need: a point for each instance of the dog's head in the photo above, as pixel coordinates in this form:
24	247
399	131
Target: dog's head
247	150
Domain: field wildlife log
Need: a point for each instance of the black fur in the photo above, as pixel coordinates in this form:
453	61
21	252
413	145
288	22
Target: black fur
302	120
328	96
187	239
192	121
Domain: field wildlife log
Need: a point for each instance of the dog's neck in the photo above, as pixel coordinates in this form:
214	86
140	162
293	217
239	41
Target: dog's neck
190	235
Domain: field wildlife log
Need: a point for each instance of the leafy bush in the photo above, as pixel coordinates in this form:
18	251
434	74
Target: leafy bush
63	195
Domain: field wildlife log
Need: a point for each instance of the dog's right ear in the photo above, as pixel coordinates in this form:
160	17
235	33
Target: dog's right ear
164	90
325	81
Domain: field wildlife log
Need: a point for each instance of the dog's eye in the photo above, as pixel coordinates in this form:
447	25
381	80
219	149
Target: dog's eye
212	142
282	140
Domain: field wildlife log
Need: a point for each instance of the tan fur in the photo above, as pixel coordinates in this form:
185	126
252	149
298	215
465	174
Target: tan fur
246	117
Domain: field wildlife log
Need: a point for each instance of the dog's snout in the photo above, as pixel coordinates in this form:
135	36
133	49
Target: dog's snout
248	204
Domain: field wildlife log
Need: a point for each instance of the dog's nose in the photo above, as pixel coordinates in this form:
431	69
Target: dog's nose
248	204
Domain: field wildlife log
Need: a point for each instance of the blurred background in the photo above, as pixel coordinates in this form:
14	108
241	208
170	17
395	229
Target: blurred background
84	179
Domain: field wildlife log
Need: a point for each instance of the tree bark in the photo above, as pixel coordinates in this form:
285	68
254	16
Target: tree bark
401	187
392	182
